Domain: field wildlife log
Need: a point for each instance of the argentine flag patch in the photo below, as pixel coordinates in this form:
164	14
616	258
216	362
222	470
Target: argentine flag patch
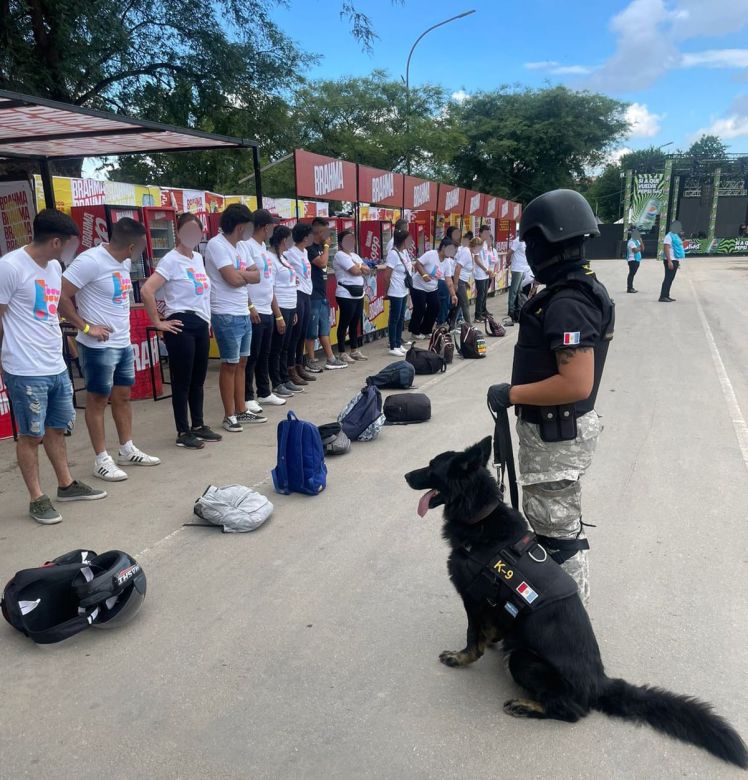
570	339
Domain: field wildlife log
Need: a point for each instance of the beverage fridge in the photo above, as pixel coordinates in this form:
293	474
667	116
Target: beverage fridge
161	233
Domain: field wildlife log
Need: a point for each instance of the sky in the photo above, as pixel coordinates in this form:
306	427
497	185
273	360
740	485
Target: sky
682	65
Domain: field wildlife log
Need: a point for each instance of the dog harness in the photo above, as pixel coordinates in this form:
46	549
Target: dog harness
520	578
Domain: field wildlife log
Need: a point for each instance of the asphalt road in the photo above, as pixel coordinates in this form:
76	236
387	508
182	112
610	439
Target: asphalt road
309	648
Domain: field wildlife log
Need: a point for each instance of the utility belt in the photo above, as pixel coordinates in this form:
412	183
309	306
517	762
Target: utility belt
555	423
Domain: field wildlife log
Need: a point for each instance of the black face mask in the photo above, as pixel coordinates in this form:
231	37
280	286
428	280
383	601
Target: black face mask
549	262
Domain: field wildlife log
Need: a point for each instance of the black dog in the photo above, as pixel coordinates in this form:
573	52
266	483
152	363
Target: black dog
551	651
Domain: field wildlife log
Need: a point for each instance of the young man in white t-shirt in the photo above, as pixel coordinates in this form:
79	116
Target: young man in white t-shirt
519	267
463	270
34	369
96	299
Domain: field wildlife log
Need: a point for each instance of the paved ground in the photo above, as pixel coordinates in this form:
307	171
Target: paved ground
309	648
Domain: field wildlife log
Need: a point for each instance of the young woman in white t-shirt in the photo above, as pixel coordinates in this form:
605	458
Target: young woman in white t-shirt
185	288
428	274
298	258
398	270
350	273
285	283
463	271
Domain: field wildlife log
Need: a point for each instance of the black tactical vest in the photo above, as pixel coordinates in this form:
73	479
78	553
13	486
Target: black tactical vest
518	578
535	361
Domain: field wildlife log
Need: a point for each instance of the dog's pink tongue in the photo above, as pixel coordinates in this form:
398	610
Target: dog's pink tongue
423	504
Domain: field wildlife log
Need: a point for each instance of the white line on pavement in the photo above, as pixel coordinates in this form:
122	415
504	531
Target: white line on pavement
733	407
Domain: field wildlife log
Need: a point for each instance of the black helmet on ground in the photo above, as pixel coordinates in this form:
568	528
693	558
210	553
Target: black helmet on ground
554	227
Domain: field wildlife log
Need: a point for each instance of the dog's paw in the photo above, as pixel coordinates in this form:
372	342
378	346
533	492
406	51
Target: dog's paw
524	708
453	658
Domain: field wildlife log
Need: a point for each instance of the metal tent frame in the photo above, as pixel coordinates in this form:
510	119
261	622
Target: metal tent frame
33	128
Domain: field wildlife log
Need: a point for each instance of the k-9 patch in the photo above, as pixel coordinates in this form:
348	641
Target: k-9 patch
570	339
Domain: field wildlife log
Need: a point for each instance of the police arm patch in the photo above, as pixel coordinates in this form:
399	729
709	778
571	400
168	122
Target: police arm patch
571	338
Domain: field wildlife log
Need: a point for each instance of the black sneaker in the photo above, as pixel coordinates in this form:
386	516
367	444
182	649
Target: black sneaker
666	300
206	434
79	491
190	441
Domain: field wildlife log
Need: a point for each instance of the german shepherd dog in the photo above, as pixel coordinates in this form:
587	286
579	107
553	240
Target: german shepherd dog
551	652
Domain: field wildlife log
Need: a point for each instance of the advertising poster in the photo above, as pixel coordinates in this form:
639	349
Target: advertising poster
646	200
16	215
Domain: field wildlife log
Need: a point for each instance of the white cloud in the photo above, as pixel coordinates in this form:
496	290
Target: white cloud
616	154
650	34
716	58
733	125
557	69
460	96
642	122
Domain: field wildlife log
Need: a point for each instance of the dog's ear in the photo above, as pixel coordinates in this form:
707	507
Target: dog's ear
472	458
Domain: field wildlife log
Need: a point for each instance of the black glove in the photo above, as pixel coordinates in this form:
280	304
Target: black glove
498	396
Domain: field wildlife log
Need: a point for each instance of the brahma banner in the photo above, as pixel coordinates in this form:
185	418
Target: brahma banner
16	215
473	204
323	177
451	199
491	206
382	188
420	194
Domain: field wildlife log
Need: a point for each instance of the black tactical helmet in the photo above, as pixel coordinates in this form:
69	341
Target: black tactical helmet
559	215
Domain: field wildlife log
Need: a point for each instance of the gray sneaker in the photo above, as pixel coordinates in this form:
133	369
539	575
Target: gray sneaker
314	366
43	512
335	363
293	387
80	491
282	391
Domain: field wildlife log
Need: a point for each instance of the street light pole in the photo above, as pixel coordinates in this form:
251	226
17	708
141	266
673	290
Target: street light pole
407	78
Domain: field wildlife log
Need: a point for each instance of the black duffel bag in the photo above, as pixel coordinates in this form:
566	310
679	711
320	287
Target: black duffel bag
404	408
395	376
425	362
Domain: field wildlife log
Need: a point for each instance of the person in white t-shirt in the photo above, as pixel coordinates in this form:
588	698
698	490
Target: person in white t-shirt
230	271
463	271
482	271
398	271
519	266
34	370
282	364
95	299
634	248
266	317
297	256
185	289
446	289
428	272
351	273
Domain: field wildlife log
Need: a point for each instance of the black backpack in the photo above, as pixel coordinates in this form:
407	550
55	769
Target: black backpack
493	328
442	343
395	376
472	344
404	408
425	361
334	441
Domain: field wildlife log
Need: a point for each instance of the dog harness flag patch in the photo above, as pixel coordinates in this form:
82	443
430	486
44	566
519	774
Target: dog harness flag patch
527	593
571	338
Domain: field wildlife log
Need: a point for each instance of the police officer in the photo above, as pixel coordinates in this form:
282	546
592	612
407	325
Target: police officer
558	363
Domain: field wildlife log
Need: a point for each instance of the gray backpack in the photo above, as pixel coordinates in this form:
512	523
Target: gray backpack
334	440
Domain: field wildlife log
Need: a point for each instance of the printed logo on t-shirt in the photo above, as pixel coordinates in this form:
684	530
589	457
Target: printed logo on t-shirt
45	300
200	281
121	286
267	269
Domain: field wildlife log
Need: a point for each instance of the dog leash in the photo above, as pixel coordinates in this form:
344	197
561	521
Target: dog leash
503	457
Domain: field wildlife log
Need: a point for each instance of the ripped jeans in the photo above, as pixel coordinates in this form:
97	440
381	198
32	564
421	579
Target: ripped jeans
41	402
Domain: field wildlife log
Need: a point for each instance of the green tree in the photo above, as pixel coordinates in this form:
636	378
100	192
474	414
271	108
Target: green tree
708	147
523	142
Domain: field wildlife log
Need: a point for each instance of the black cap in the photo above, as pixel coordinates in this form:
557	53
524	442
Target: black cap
263	217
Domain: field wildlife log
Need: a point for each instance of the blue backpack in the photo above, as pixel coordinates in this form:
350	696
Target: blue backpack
301	459
362	418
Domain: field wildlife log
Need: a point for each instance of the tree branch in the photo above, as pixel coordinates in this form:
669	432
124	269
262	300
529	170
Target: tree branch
149	70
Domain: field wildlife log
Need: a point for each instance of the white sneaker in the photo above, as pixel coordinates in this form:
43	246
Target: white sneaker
395	352
272	400
253	407
406	344
137	458
402	351
108	471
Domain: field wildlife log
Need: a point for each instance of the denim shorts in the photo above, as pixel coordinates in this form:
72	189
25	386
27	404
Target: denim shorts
107	367
319	319
41	402
233	334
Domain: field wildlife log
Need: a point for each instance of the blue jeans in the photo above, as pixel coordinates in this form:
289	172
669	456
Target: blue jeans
319	318
106	367
445	302
233	334
396	321
41	402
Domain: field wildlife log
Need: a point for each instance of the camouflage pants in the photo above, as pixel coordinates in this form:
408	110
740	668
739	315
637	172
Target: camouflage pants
549	473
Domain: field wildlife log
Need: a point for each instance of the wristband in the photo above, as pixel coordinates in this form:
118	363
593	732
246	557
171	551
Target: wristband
424	276
251	306
279	319
86	328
